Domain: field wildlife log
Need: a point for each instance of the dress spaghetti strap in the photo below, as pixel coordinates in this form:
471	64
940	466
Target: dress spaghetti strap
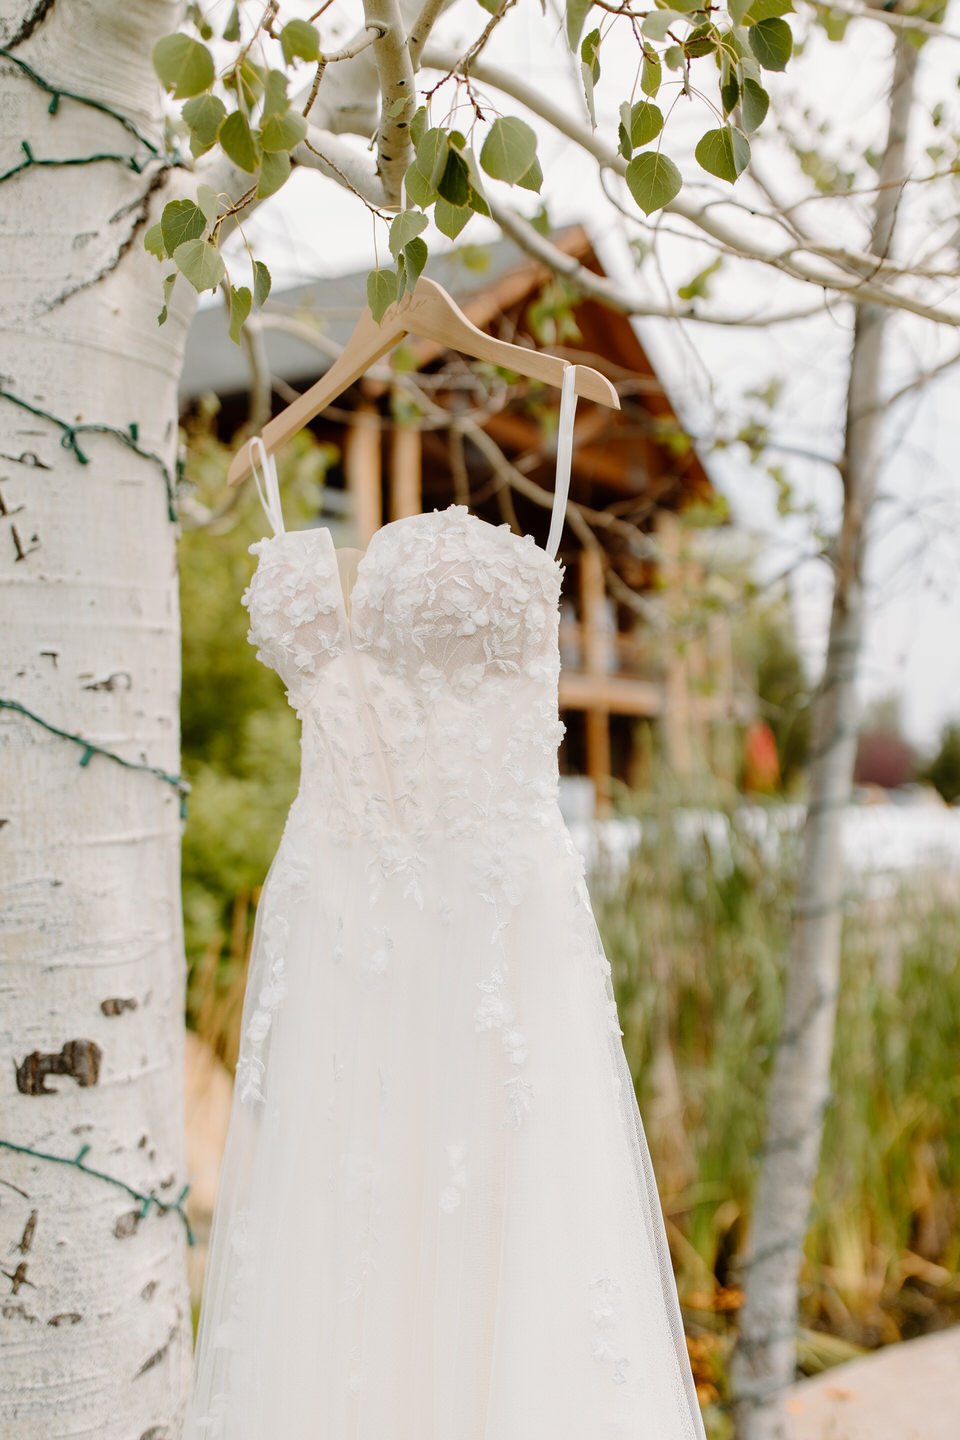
269	489
568	410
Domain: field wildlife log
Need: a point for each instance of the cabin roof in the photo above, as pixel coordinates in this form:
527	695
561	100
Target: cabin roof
487	282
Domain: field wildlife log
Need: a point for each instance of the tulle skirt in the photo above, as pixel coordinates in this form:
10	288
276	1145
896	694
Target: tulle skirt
436	1218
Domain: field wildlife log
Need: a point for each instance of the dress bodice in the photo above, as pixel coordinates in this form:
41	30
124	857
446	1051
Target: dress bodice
433	708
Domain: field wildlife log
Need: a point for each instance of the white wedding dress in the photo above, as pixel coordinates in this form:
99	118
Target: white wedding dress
436	1218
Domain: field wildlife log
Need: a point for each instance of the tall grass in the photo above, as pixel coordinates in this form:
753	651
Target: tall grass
697	931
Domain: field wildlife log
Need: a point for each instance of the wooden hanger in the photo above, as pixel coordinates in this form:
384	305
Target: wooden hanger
430	313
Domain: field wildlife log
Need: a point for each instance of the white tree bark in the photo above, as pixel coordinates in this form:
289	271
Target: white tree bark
766	1354
95	1326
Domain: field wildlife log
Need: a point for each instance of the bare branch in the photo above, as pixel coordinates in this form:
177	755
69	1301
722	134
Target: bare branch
886	17
921	380
324	151
398	95
608	292
361	42
424	23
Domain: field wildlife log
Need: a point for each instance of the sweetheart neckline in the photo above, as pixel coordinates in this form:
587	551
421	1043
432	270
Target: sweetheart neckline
555	564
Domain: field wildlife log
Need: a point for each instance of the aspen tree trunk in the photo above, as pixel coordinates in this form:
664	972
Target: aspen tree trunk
765	1358
95	1326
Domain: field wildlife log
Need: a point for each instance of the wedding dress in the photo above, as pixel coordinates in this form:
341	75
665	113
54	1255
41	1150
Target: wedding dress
437	1218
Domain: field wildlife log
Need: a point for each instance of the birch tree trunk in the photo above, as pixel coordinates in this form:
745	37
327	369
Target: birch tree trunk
764	1360
95	1326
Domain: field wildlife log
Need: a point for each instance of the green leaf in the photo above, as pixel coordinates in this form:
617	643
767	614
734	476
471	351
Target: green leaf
300	39
454	184
204	114
415	257
729	91
835	23
738	9
541	221
261	284
418	125
432	155
699	288
251	82
533	179
274	172
477	199
209	202
767	10
724	153
450	219
199	262
577	12
653	180
406	227
381	292
509	149
650	76
772	43
658	22
181	220
753	105
646	122
673	57
183	65
168	285
275	100
700	41
418	187
491	6
237	142
240	302
231	30
282	132
153	241
590	54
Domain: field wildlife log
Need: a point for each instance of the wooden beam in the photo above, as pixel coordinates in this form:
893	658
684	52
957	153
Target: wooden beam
595	650
362	467
615	694
676	717
405	472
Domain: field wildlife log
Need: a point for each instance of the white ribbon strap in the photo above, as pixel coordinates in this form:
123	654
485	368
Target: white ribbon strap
561	489
269	490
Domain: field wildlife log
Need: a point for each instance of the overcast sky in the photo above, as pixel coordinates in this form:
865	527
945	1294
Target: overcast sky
313	228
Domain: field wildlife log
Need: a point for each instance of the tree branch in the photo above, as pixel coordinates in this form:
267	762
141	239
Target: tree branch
335	158
361	42
798	261
398	95
886	17
608	292
424	23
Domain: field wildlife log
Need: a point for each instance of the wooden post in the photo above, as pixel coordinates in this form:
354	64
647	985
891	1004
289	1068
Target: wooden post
594	649
361	463
405	497
676	685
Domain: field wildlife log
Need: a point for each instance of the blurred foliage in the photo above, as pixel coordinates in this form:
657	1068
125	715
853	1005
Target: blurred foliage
766	646
697	931
943	771
240	738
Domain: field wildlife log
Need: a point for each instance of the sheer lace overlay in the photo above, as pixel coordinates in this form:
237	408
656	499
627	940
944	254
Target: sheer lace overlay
436	1217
